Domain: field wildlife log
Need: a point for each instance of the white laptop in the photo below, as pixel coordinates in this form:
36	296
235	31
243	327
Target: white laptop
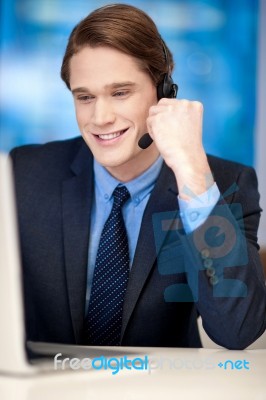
17	356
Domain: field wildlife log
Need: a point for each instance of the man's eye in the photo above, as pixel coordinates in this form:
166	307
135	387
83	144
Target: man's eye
121	93
85	98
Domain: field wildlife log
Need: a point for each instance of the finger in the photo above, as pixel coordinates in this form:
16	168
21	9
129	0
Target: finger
157	109
149	127
166	104
166	101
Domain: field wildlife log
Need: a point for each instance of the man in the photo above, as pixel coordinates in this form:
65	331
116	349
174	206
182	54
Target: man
127	246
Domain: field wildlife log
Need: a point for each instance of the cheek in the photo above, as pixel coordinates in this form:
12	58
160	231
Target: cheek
141	119
144	109
138	115
79	112
82	117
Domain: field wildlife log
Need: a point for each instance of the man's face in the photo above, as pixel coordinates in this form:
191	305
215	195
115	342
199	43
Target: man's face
112	99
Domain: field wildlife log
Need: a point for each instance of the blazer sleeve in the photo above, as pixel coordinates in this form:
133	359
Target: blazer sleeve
230	292
220	259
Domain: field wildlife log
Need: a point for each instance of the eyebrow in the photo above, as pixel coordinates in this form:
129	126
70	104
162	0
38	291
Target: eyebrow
114	85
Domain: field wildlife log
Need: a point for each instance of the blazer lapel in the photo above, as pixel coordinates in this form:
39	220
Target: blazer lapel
76	202
163	199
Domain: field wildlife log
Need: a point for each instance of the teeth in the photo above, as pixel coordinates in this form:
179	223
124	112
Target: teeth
110	135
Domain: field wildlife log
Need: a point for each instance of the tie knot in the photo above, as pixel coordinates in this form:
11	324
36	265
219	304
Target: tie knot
121	195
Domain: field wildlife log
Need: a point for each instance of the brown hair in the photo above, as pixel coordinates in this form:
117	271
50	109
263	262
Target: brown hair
125	28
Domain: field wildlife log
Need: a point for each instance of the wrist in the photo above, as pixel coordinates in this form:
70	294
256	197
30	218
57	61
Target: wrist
193	177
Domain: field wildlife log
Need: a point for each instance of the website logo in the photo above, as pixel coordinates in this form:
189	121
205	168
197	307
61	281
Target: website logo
238	364
101	363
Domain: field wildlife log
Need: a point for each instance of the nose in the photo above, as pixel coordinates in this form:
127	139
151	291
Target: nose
103	113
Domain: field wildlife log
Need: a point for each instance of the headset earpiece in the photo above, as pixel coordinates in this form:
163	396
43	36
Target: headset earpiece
167	88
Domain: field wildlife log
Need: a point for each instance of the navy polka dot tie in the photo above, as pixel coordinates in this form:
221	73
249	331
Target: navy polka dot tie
104	318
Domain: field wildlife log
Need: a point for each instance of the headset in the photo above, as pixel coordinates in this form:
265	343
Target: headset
166	89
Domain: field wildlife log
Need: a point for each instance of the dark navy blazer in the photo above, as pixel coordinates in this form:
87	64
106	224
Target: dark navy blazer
214	272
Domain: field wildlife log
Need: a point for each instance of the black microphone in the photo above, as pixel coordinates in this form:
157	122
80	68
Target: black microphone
145	141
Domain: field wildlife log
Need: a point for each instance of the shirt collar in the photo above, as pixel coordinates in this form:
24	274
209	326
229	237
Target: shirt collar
138	188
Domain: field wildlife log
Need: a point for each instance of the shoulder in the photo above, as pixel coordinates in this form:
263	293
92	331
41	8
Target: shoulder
50	163
222	165
52	151
225	169
233	176
52	158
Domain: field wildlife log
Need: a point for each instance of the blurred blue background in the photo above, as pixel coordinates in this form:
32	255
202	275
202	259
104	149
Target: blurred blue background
214	43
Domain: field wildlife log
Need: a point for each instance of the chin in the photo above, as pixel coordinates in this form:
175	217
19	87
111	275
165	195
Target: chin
109	163
113	157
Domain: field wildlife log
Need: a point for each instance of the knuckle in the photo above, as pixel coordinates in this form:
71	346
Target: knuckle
191	104
198	105
152	110
185	102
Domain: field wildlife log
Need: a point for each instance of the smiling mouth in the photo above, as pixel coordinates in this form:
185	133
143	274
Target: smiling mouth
110	136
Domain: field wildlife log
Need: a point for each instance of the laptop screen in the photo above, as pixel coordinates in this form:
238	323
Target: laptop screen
12	343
